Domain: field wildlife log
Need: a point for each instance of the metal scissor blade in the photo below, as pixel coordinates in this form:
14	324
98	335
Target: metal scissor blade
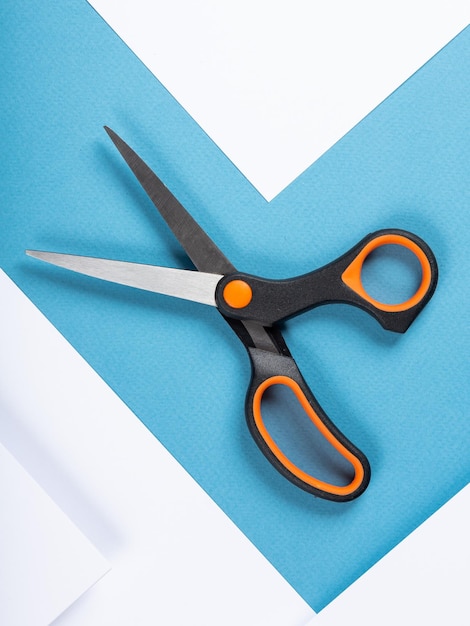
200	248
186	284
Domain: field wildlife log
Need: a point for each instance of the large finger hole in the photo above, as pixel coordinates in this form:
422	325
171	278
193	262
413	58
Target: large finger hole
301	441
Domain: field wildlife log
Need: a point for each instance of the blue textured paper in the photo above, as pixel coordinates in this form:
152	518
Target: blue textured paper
402	399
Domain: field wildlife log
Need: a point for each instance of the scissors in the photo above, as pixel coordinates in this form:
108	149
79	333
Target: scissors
253	307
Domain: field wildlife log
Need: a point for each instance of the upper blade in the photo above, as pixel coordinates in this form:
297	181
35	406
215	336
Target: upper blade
186	284
200	248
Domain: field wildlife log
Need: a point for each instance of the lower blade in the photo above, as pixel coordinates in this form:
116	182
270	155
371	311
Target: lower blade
185	284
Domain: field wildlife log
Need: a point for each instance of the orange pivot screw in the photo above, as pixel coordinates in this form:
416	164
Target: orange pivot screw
237	294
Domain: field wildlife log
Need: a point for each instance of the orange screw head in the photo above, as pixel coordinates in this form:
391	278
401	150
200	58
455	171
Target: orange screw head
237	294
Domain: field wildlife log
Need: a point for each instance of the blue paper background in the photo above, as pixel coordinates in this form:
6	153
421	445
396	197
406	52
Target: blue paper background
401	399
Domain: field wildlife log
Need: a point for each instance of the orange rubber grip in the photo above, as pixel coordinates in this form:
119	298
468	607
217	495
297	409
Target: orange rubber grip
303	476
352	274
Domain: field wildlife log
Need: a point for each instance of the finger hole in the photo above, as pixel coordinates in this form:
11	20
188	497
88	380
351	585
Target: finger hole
299	439
353	275
301	444
391	274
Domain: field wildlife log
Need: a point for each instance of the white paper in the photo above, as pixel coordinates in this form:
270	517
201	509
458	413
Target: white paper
46	563
276	84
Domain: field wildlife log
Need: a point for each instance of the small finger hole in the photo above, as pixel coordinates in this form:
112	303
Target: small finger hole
391	274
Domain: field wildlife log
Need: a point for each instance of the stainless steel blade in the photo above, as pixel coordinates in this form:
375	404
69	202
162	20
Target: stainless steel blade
186	284
200	248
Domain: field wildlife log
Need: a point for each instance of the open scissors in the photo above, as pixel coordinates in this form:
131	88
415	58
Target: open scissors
254	306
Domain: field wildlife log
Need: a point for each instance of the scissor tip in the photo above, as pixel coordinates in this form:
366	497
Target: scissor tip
110	131
117	141
41	255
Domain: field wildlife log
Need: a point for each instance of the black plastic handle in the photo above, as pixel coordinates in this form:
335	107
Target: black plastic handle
247	297
270	369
